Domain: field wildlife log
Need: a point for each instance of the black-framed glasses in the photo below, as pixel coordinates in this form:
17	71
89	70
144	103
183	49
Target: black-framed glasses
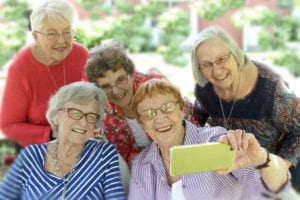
53	35
77	114
166	108
121	81
207	66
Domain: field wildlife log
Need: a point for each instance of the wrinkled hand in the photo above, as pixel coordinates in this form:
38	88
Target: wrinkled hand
247	149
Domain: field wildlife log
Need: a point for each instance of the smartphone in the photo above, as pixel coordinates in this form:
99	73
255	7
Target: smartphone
187	159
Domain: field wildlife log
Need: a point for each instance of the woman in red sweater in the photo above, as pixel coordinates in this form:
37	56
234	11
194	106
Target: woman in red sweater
39	70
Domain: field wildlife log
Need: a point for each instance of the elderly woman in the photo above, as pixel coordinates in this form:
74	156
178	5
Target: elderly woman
238	93
73	166
38	70
112	70
159	107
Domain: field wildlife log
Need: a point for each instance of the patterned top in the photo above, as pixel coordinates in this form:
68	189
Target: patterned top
271	112
149	180
117	129
96	175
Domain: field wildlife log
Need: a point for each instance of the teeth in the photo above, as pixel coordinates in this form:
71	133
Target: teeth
60	49
119	96
77	130
163	129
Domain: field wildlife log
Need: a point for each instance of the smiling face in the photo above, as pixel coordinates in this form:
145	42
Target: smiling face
76	131
221	75
166	129
118	86
54	50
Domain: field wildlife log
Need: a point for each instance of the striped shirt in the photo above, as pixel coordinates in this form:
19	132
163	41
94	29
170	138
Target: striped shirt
149	181
96	175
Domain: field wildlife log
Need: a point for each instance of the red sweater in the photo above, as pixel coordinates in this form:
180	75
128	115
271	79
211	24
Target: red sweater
27	90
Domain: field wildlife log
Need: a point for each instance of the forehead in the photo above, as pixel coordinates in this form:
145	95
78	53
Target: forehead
211	48
55	25
111	76
90	106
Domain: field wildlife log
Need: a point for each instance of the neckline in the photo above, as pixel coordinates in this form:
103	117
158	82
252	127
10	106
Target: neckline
226	119
56	163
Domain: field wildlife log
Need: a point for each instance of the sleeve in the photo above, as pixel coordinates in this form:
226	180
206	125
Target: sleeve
250	179
15	104
135	189
286	111
119	133
12	185
113	187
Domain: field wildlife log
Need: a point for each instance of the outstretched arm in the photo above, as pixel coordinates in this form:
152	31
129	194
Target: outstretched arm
250	153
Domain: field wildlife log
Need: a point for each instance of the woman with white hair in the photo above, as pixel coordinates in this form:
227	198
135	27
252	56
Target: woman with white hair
73	166
239	93
38	70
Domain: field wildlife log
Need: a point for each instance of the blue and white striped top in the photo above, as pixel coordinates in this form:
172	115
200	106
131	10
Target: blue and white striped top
96	175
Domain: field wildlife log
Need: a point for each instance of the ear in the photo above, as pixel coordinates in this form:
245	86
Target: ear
34	35
56	120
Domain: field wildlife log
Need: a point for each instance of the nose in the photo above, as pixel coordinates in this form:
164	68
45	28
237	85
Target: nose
115	90
83	121
159	115
216	68
61	37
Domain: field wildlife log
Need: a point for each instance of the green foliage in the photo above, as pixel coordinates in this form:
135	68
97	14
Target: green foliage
214	9
174	26
14	25
289	59
129	28
268	41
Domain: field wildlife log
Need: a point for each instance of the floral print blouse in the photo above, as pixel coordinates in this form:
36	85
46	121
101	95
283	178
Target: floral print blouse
117	129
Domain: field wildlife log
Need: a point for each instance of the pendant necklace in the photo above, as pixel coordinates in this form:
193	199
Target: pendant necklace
59	170
52	78
231	109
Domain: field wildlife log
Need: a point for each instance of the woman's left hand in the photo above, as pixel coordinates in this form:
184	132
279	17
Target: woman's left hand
247	150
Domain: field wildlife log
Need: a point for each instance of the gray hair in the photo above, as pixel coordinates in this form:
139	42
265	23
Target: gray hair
210	33
79	93
52	10
109	55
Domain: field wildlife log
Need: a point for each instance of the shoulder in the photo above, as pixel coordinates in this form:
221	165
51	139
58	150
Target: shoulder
21	58
80	49
100	146
32	152
144	158
266	71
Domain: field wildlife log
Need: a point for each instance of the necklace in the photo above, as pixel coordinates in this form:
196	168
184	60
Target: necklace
231	109
57	166
52	78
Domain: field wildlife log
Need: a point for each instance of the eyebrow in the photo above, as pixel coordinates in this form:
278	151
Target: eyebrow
218	56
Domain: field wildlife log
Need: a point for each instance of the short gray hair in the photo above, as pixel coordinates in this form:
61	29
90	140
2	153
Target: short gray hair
210	33
52	10
79	93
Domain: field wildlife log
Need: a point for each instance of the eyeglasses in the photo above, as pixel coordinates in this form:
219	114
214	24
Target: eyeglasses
54	35
207	66
152	113
121	81
76	114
